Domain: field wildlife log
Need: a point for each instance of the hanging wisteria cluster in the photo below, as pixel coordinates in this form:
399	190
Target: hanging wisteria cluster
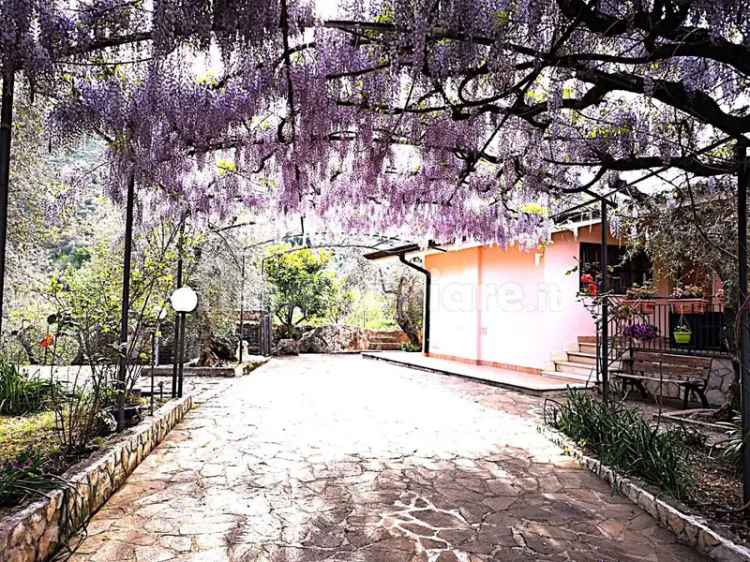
432	119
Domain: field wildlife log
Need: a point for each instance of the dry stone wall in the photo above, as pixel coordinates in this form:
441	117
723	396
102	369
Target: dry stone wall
38	530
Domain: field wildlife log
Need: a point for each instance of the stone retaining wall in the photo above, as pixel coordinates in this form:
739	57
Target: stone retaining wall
337	338
689	529
35	532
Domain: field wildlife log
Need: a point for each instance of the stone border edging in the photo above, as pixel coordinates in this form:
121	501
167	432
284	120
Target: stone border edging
688	529
236	370
35	532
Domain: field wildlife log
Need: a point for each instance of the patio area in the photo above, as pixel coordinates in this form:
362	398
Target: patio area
341	459
520	381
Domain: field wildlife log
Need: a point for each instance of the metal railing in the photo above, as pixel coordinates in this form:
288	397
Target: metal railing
694	326
615	348
662	324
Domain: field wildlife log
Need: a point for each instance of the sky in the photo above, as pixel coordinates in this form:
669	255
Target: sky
327	9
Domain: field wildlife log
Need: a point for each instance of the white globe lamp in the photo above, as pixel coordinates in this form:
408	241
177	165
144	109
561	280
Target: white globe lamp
184	300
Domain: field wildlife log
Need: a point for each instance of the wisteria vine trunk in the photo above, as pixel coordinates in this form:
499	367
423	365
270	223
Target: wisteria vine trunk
6	134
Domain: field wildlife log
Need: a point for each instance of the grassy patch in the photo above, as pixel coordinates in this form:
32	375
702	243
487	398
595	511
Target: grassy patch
18	433
29	457
28	475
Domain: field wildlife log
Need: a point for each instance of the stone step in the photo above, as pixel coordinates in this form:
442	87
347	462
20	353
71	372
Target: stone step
590	348
577	368
569	377
384	346
587	348
582	357
581	368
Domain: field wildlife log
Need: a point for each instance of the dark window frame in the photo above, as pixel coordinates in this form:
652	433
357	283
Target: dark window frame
625	272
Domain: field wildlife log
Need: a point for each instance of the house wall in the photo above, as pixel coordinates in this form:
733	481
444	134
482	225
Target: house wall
508	307
453	323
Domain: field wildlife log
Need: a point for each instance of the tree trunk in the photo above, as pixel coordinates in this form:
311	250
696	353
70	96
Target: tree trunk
289	322
404	294
207	357
28	349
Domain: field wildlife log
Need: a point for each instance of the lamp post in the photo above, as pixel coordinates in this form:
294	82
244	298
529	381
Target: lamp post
157	343
178	284
183	301
155	353
242	309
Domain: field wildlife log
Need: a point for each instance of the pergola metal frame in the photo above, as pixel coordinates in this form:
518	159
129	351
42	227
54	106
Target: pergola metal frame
743	340
743	337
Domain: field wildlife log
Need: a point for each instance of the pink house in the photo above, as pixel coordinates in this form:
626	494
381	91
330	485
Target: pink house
511	308
520	310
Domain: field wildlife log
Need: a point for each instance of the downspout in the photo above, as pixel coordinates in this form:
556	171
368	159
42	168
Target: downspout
427	289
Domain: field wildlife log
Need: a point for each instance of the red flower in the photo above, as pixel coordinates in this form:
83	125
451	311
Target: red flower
47	341
587	279
593	289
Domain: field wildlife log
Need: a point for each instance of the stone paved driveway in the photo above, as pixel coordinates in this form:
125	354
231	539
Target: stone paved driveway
345	459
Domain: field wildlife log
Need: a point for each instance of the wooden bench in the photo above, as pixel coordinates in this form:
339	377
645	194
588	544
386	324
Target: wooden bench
686	371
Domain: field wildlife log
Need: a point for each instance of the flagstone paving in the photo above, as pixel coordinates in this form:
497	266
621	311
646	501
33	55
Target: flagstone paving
345	459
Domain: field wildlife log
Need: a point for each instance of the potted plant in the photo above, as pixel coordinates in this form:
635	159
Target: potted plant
687	292
693	294
643	332
682	333
133	406
639	293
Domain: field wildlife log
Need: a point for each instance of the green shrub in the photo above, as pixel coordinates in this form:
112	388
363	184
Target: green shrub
20	393
25	475
621	438
732	452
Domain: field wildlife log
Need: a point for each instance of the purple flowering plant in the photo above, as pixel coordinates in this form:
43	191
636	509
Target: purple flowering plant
641	331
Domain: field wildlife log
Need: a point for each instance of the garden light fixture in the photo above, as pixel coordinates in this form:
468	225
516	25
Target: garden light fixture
183	301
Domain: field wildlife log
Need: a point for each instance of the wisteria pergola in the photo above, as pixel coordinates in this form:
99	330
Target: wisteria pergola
440	119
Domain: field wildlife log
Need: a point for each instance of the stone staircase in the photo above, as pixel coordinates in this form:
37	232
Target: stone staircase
577	364
385	341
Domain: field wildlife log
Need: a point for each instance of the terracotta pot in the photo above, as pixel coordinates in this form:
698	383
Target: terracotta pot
643	306
689	306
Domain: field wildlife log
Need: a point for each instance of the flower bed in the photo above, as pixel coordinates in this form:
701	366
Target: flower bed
652	463
34	532
689	529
